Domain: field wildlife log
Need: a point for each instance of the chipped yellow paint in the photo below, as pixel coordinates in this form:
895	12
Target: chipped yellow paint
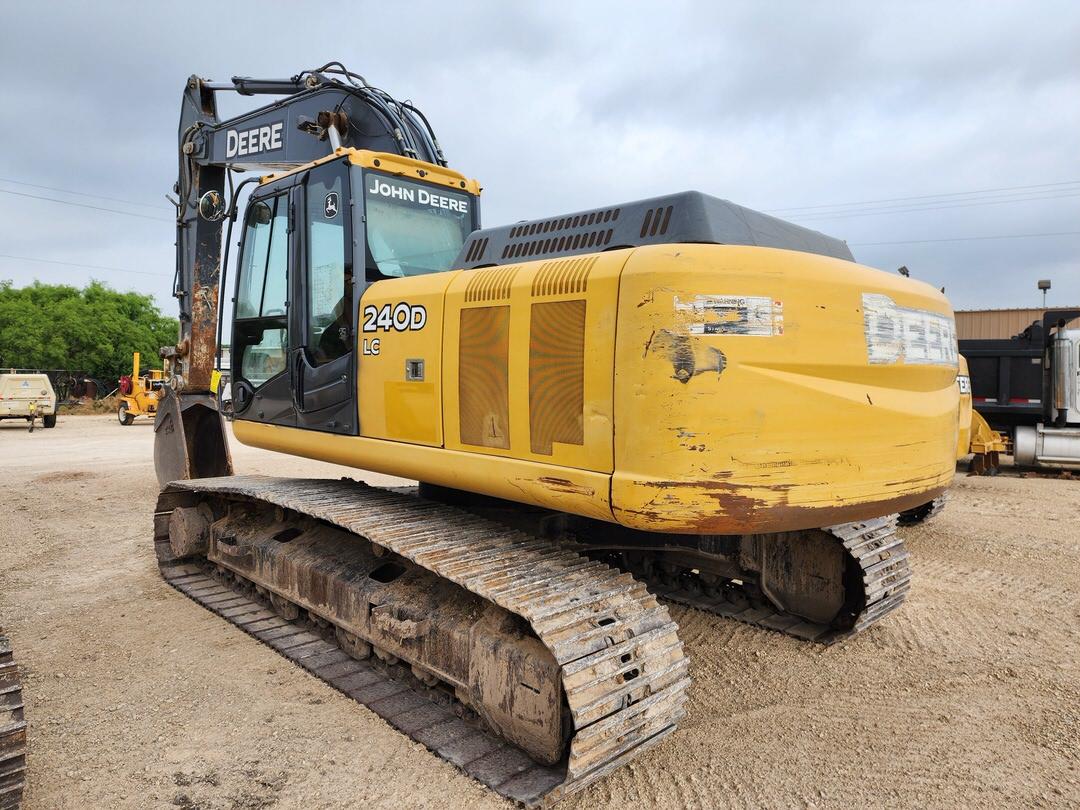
725	433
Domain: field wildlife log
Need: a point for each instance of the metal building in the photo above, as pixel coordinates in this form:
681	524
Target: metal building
988	324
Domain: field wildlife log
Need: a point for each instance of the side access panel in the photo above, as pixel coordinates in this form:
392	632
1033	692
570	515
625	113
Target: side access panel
400	359
529	352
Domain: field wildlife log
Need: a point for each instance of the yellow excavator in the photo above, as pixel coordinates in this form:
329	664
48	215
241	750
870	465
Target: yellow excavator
676	398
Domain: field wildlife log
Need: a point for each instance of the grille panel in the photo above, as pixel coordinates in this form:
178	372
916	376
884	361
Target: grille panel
576	241
476	250
656	221
563	277
556	374
559	241
490	285
483	377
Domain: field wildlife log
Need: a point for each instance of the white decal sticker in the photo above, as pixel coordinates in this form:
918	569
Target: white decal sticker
733	315
896	334
254	141
963	382
385	187
401	317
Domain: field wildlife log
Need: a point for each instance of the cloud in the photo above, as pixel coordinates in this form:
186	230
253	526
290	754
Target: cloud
559	107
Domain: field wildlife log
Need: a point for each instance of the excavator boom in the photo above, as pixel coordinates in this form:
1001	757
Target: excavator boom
321	110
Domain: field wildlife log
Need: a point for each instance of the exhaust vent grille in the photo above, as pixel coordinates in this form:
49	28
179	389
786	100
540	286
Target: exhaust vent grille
656	221
556	235
476	250
558	244
563	277
557	375
490	285
565	223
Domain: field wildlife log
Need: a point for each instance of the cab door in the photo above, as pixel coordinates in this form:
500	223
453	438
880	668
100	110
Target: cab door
262	390
322	361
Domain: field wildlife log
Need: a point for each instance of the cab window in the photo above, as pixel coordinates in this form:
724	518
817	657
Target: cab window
261	326
329	298
413	228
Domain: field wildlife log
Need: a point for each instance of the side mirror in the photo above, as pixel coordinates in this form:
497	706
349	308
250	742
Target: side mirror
212	206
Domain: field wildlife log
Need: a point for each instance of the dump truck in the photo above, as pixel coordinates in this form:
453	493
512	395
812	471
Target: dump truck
671	399
1028	388
27	395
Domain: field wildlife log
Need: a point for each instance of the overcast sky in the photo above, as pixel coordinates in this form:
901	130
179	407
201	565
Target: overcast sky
833	115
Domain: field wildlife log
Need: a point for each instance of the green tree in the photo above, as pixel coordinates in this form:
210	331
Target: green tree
93	330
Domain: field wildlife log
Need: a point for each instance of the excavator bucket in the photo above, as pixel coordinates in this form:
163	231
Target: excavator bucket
189	438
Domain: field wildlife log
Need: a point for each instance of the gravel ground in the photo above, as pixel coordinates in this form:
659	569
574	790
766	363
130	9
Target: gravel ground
137	697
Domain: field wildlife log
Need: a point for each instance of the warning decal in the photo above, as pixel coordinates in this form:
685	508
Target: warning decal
757	315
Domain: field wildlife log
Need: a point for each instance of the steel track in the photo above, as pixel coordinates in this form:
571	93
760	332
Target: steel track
921	514
882	559
885	580
12	730
624	674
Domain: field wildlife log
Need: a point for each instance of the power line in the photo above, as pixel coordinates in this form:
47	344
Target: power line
813	212
816	217
920	197
84	205
90	266
807	208
1013	198
966	238
81	194
1021	196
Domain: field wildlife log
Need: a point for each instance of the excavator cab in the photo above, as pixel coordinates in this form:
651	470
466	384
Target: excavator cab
358	173
313	240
